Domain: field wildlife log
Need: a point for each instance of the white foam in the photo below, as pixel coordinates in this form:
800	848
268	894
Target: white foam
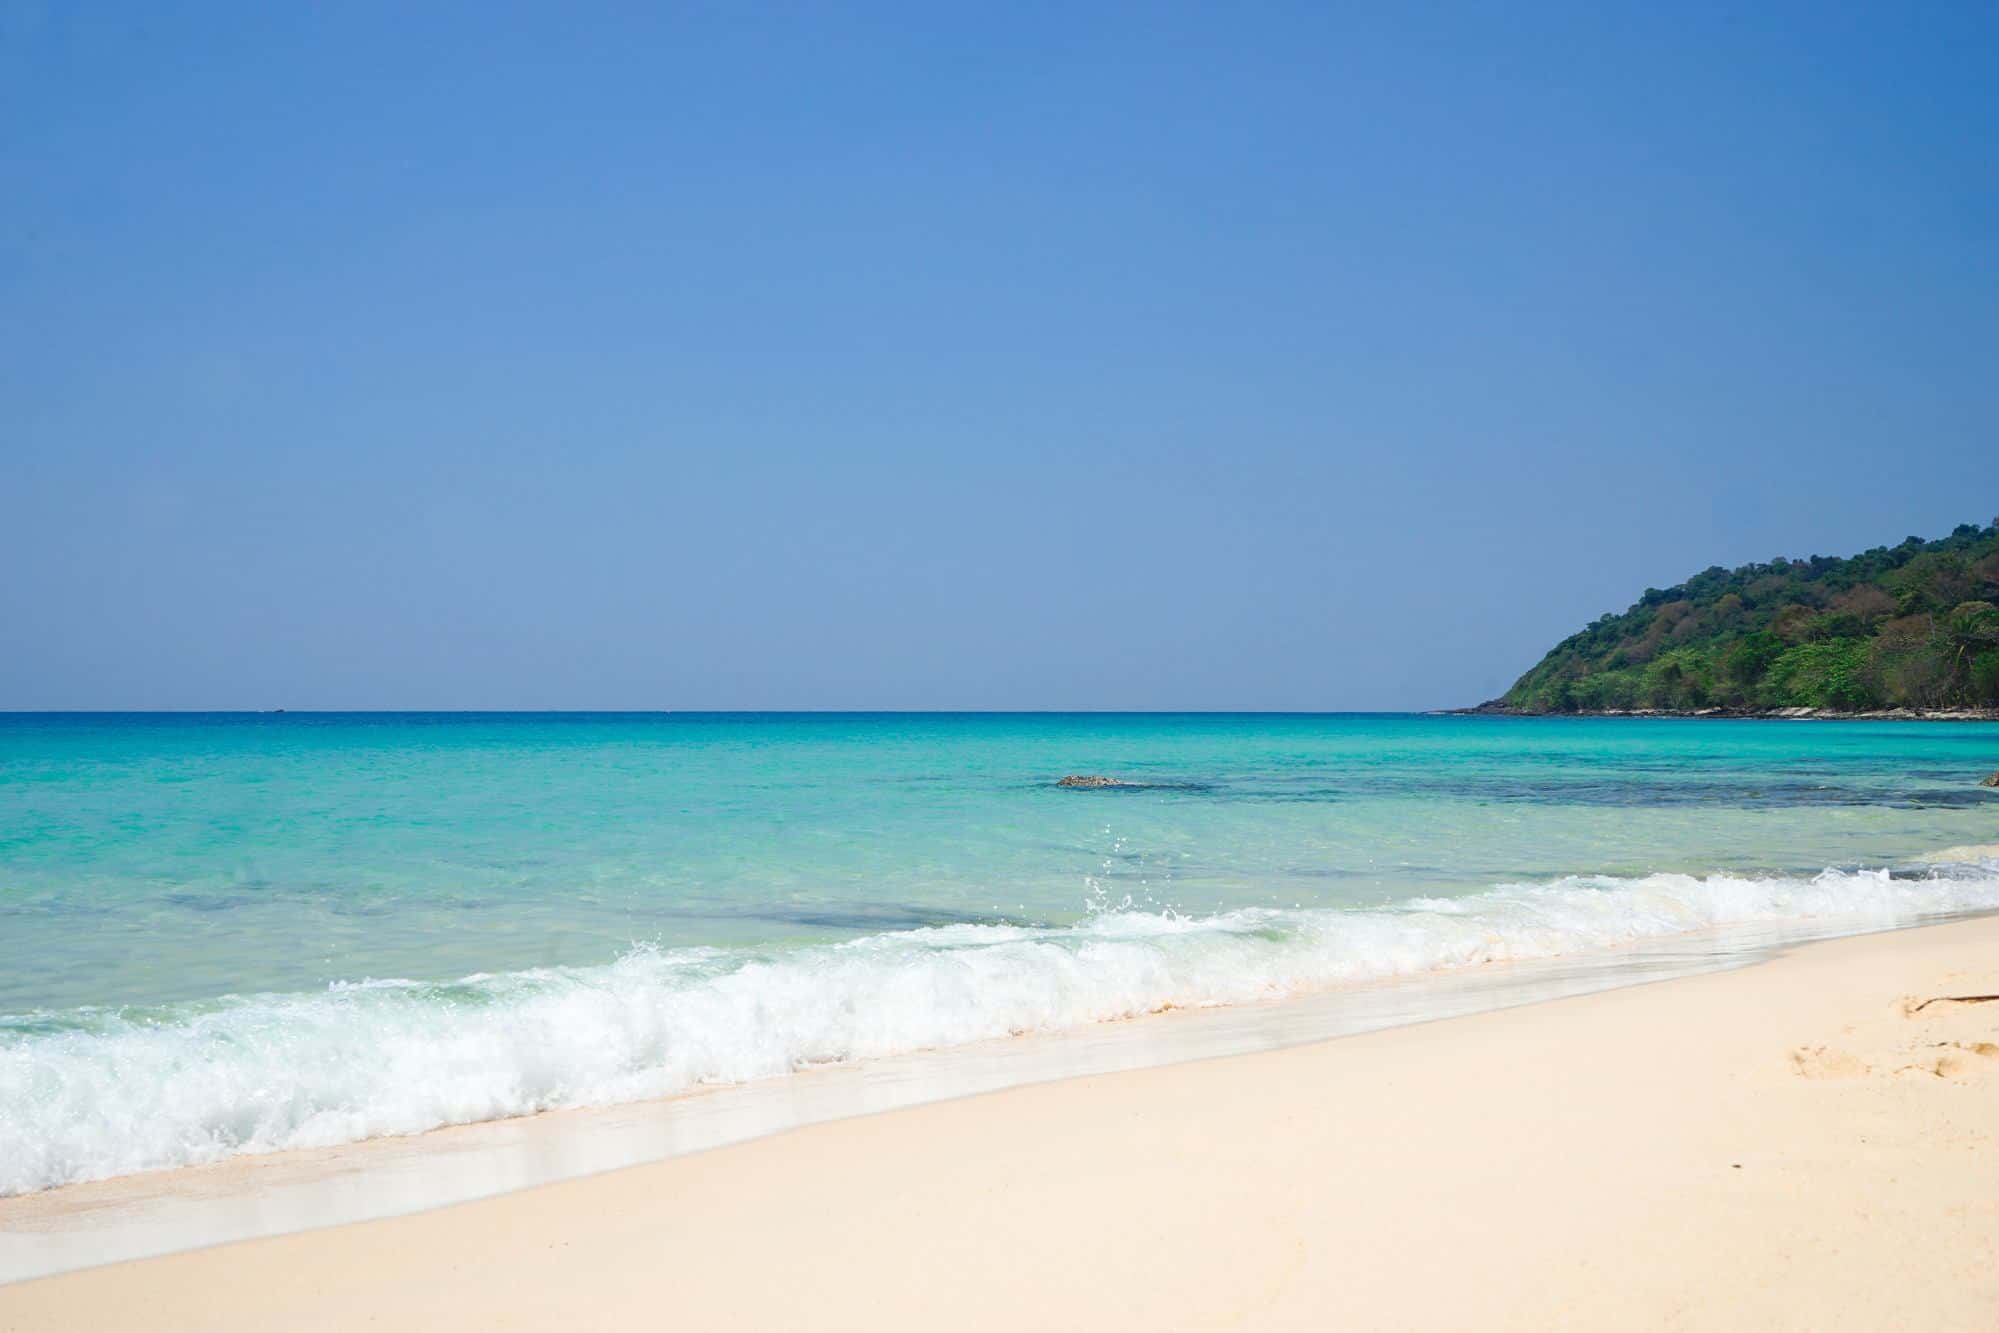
86	1095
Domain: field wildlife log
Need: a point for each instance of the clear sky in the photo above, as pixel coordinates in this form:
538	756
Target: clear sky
1314	356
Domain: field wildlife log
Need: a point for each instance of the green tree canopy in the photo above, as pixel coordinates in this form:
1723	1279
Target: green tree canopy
1914	625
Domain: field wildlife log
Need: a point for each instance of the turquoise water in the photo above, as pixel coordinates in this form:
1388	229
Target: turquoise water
225	933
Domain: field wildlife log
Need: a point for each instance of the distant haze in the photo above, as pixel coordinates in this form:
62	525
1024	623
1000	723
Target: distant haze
352	356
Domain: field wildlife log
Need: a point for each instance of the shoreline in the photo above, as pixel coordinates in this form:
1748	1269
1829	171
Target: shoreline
174	1209
1495	708
1696	1151
264	1073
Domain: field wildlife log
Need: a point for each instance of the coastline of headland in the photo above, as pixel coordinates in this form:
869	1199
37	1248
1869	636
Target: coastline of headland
1499	708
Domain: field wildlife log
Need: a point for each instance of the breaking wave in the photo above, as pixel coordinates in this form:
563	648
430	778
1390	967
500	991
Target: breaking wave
89	1093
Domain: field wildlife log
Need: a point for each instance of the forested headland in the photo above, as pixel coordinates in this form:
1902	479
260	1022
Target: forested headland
1914	626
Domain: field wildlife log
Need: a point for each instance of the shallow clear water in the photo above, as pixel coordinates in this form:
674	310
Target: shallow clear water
224	933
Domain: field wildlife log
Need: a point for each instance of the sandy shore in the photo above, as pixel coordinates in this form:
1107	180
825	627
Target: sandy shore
1795	1145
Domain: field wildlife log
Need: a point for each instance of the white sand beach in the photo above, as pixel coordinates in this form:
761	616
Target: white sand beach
1807	1143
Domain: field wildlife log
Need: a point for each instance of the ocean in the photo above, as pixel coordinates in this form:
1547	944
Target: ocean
239	933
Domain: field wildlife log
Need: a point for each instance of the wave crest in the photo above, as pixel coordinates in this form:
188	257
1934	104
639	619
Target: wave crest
86	1094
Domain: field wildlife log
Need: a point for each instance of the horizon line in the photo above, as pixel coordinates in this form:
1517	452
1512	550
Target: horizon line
733	712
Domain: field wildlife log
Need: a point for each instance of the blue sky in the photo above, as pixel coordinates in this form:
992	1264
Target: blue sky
1027	356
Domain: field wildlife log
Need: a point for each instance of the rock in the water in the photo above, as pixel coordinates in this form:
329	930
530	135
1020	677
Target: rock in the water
1992	781
1092	780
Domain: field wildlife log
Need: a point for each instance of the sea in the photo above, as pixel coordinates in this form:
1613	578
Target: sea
240	933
